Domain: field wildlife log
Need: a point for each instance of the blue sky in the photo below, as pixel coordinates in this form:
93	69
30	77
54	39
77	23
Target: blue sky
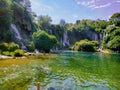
72	10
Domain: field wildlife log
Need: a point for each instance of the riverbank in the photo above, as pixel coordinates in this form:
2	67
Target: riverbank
107	51
26	55
5	57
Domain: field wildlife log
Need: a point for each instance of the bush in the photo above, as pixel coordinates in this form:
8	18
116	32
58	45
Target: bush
7	53
4	46
8	46
13	46
10	49
18	53
85	45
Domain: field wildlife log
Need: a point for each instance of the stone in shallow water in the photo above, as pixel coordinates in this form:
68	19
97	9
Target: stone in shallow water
51	88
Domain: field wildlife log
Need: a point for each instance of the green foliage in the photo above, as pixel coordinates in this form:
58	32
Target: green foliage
13	46
10	49
115	15
112	40
115	19
31	47
85	45
44	22
18	12
4	47
95	44
5	19
18	53
100	25
7	53
43	41
116	22
115	43
9	46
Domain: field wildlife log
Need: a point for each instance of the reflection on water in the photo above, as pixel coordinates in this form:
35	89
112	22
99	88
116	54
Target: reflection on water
64	71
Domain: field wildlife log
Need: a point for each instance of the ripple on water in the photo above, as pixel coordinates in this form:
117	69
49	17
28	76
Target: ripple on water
69	83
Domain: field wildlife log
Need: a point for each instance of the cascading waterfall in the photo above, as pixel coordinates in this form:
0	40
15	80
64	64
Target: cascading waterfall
65	40
100	42
95	37
18	36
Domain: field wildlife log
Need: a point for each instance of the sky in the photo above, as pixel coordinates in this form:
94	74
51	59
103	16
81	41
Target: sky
72	10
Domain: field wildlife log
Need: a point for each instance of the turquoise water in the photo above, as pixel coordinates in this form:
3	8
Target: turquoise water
62	71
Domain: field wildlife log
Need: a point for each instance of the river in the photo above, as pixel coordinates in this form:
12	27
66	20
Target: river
65	70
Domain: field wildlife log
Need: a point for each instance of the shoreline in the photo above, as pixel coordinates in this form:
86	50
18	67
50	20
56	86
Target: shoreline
46	54
5	57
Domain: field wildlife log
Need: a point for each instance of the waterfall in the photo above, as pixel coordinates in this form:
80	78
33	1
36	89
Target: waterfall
104	33
65	40
17	35
100	41
95	37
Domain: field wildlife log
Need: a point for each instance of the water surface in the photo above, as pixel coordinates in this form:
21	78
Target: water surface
62	71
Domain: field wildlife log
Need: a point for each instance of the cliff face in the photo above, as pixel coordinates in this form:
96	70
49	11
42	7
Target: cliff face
68	38
16	22
22	25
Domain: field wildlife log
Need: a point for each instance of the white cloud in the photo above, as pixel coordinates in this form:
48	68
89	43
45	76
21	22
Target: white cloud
94	4
102	6
38	6
85	3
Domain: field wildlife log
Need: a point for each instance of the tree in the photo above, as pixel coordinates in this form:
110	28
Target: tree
112	40
44	22
43	41
115	19
115	16
5	19
18	12
100	25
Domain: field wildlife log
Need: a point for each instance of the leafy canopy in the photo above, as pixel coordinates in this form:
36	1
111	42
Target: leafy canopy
43	41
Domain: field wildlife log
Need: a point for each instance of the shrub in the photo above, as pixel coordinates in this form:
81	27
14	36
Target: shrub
4	46
7	53
8	46
85	45
18	53
13	46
